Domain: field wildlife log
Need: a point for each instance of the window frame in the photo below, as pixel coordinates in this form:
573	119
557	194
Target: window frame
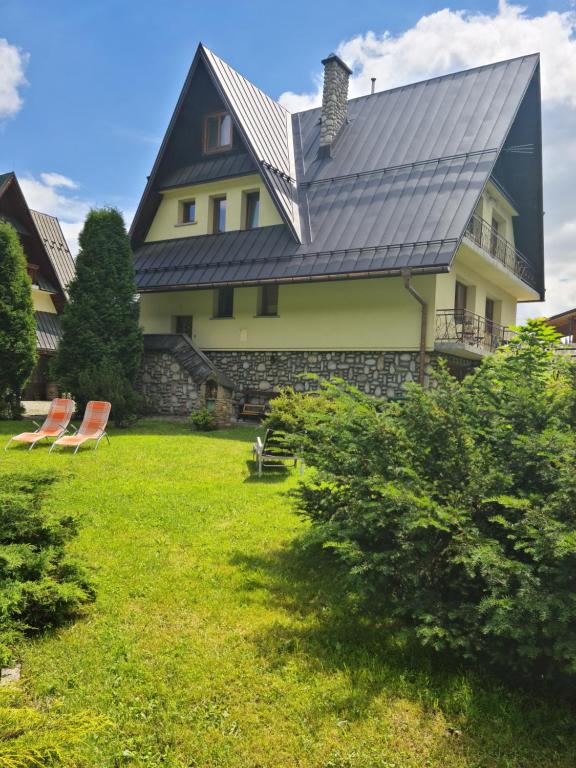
182	207
177	323
215	205
262	289
220	147
248	196
216	313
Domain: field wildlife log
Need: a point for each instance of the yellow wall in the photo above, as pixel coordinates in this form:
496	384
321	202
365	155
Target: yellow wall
479	289
43	301
493	204
166	222
353	314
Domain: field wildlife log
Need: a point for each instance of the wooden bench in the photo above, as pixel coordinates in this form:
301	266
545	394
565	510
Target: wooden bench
252	411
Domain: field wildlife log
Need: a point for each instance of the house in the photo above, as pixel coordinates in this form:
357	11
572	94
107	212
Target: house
51	269
363	239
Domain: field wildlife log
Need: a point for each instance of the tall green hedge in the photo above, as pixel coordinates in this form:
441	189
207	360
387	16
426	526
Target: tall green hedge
99	353
455	509
18	353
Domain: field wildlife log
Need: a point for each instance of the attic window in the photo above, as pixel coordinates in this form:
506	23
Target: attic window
217	132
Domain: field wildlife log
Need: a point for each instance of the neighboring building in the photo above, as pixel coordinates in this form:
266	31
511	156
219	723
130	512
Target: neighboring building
361	239
565	324
51	268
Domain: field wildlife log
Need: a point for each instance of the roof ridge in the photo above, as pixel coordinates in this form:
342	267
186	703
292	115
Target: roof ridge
215	55
430	80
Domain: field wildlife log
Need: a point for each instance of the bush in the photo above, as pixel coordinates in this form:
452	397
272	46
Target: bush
18	353
456	508
31	738
40	586
203	420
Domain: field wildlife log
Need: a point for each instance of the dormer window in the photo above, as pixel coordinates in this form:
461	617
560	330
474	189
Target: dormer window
217	132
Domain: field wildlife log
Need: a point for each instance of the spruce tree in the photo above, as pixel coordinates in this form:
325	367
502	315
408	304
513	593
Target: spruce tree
101	346
18	353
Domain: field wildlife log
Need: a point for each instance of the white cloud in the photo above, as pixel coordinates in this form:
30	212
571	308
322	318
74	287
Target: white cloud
58	180
447	41
13	62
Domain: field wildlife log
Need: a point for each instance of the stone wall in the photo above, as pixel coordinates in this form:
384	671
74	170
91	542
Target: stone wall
167	388
382	374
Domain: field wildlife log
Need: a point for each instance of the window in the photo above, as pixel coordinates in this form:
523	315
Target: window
460	301
188	212
183	324
218	215
268	301
489	315
33	273
224	302
252	210
217	132
494	236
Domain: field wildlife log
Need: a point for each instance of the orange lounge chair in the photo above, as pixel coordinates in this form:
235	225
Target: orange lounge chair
93	427
55	425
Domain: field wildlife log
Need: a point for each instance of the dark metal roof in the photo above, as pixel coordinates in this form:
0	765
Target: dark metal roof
44	284
56	247
244	257
405	175
192	359
17	225
48	331
237	164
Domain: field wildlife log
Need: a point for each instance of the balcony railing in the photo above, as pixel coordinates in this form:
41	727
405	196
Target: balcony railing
461	329
487	238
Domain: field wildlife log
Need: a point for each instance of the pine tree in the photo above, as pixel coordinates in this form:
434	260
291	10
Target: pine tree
18	353
101	346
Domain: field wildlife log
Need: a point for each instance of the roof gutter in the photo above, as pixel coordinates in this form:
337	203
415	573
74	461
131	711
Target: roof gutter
407	278
288	280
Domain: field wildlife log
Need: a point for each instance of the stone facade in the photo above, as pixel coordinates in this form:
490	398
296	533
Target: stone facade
382	374
166	387
169	390
334	99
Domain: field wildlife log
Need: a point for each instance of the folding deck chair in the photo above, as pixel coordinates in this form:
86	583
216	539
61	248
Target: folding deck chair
273	451
93	427
55	424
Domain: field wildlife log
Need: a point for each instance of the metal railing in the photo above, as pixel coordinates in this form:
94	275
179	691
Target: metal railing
459	327
487	238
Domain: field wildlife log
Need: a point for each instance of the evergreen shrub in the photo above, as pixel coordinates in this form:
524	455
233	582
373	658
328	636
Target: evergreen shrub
455	508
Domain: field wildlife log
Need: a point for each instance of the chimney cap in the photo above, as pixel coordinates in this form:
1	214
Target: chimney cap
333	57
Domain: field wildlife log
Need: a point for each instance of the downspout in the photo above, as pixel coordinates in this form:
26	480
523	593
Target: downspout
407	277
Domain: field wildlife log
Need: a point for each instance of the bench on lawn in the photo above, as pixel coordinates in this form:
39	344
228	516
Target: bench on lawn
273	450
256	403
252	410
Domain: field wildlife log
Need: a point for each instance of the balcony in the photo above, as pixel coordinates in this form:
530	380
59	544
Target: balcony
463	333
497	247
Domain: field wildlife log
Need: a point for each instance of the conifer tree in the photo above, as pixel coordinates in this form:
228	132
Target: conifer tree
101	346
18	353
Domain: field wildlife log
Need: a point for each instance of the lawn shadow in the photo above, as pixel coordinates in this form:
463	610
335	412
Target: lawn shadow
326	631
269	476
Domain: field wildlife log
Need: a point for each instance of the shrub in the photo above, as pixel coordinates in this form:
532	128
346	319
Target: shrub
18	353
40	586
203	420
456	507
99	354
30	738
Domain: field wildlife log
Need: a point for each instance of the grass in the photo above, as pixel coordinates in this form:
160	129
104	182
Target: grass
216	641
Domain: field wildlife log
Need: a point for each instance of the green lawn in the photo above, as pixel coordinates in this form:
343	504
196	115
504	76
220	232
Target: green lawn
216	641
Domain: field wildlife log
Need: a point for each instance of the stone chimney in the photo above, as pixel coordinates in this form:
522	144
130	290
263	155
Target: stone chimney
334	101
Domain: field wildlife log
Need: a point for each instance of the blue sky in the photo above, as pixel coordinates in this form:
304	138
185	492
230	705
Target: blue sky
103	76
